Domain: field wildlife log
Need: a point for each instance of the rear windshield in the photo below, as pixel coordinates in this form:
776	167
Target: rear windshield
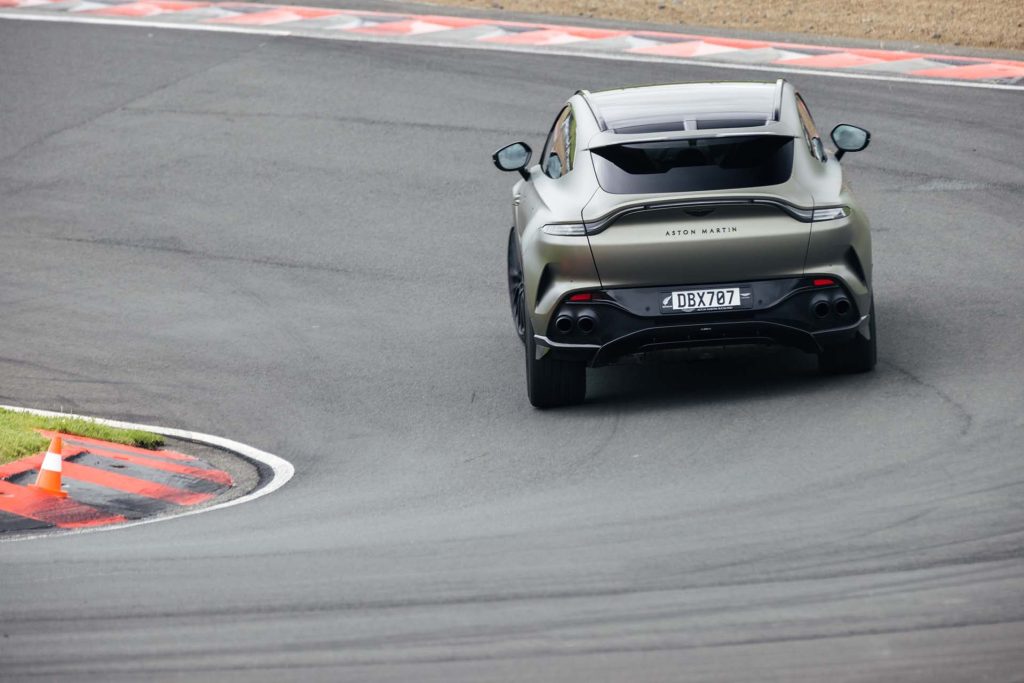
694	165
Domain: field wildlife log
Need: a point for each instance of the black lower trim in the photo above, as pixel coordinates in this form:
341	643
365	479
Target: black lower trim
620	322
745	333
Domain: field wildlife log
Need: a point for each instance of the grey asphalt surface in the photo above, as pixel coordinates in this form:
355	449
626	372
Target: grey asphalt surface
300	244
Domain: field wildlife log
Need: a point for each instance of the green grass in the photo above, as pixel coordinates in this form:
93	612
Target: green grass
18	437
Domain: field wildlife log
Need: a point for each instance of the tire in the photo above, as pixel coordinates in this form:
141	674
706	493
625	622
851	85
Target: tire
855	356
516	287
549	382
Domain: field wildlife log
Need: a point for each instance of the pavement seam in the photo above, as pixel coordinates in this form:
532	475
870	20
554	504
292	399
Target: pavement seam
117	107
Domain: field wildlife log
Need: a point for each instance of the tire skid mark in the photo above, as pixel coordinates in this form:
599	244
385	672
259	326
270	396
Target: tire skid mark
965	416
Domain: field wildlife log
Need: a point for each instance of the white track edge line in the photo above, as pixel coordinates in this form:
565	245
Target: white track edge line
610	56
282	470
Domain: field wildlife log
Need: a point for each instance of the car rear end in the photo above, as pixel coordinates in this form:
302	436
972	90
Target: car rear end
714	236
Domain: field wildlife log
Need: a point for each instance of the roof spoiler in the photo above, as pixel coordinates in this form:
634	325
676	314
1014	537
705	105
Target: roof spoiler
780	86
774	115
601	123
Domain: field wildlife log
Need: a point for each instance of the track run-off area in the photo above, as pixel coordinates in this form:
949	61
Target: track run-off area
300	244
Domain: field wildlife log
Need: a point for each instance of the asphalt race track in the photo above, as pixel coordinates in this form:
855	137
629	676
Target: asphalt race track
300	244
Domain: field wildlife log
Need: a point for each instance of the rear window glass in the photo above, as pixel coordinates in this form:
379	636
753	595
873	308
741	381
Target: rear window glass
694	165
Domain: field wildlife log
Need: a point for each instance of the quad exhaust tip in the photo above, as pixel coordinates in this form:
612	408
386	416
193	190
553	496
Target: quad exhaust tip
563	324
584	323
820	308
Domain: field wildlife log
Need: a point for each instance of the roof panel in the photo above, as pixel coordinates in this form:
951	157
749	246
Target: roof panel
666	108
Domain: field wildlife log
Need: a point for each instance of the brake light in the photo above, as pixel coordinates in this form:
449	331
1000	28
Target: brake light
824	282
582	296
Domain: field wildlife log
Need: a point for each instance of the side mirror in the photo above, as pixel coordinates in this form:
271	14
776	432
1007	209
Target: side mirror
514	157
849	139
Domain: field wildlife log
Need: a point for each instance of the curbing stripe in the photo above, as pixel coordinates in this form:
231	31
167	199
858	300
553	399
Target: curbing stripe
281	470
86	443
433	39
133	485
155	462
27	502
215	476
19	523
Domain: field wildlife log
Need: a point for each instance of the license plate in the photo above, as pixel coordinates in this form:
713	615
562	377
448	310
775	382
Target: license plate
692	300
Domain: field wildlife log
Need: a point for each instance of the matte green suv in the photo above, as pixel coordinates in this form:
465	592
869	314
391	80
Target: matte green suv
685	215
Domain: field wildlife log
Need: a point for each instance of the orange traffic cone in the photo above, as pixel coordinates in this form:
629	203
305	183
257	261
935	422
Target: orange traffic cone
48	480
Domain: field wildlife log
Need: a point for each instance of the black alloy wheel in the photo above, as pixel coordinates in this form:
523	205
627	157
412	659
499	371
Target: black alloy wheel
516	288
552	383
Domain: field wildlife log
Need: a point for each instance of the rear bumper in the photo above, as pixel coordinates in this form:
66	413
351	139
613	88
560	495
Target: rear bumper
703	335
783	315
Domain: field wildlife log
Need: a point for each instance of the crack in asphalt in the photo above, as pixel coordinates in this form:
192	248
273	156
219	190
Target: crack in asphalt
359	120
196	254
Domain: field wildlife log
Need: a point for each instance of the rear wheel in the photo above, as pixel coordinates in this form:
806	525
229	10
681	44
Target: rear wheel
549	382
516	290
857	355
